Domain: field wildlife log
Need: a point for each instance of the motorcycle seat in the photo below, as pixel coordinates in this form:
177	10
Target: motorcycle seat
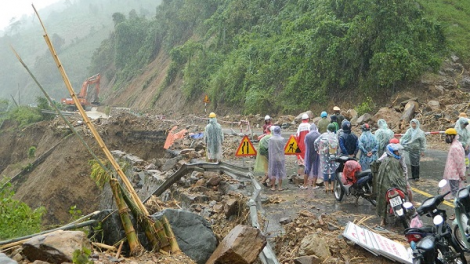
363	173
424	229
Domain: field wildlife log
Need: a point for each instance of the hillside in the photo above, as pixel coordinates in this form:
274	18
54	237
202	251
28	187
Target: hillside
281	57
76	27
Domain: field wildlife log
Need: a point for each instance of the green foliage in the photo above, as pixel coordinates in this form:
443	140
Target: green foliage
18	219
25	115
365	107
75	213
32	152
82	256
98	174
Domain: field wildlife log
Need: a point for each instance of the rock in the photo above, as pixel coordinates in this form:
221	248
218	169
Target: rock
408	113
307	260
350	114
299	117
314	244
231	207
151	166
434	105
218	208
354	121
170	164
193	233
315	120
242	246
364	119
158	163
188	199
214	181
56	247
40	262
388	114
6	260
200	182
285	220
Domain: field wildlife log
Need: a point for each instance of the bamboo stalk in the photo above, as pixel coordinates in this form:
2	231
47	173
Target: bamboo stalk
119	250
132	239
104	246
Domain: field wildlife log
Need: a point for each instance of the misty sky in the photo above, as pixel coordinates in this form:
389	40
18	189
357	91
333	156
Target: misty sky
16	8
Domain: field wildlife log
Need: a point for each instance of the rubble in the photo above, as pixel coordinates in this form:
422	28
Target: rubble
242	245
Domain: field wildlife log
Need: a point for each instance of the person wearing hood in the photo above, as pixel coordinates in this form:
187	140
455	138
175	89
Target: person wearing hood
213	137
262	157
323	122
464	134
339	133
368	146
454	171
383	136
414	142
326	145
348	141
390	175
277	160
312	159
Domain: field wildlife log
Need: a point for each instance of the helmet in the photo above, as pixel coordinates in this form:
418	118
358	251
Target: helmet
331	127
212	115
451	131
305	116
365	127
267	117
394	141
336	108
324	114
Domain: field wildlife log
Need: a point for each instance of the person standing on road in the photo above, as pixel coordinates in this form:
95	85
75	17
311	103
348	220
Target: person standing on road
326	146
339	133
383	136
302	131
390	175
454	171
312	159
414	142
267	124
323	122
464	135
338	114
368	146
348	141
262	157
213	137
277	160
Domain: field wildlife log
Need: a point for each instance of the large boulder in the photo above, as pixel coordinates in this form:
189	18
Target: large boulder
350	114
242	246
408	113
314	244
434	105
56	247
364	119
388	114
193	233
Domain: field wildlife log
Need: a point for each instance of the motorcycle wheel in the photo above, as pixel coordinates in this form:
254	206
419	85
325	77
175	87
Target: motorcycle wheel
339	192
458	260
459	237
369	198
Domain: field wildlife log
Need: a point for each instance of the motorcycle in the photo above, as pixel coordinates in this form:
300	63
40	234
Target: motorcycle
399	208
361	186
434	244
462	218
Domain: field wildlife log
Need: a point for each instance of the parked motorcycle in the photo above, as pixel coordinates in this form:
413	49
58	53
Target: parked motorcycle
358	185
434	244
462	218
398	208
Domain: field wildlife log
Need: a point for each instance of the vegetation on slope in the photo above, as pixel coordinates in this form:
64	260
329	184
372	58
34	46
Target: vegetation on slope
283	56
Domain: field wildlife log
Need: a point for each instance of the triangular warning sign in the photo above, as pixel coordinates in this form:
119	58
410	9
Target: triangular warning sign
291	147
246	148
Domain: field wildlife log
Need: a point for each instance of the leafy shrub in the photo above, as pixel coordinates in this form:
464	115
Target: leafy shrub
25	115
365	107
17	218
32	152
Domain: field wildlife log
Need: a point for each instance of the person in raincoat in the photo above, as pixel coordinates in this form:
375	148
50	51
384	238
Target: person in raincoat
262	157
348	141
267	124
368	146
464	134
312	159
414	142
326	146
454	171
277	160
213	137
390	175
323	122
383	136
302	131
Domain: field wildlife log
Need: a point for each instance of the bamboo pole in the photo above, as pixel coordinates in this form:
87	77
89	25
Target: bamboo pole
132	239
87	120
